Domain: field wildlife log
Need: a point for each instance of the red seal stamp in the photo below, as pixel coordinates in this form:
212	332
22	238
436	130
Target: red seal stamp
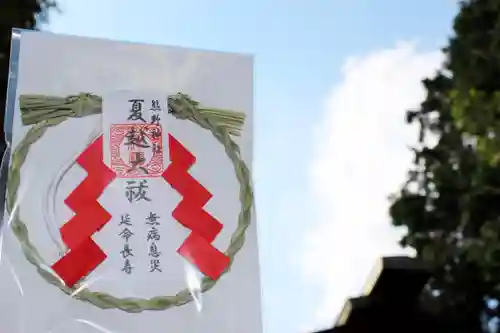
136	150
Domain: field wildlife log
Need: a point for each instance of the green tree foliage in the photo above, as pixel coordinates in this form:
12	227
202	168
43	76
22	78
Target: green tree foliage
23	14
451	201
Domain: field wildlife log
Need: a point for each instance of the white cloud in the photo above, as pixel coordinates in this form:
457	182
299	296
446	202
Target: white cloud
361	157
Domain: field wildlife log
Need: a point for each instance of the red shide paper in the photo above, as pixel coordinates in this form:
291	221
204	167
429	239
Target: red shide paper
84	254
190	212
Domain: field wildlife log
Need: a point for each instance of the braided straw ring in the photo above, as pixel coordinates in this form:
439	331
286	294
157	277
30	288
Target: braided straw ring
44	112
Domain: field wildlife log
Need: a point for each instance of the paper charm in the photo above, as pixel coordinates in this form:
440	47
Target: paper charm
131	161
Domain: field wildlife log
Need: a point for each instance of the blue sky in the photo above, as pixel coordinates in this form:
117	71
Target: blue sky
330	75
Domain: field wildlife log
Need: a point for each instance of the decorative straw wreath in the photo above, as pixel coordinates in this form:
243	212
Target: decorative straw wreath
43	112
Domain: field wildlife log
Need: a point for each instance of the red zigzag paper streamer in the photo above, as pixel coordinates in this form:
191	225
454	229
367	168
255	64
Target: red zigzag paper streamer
85	255
197	247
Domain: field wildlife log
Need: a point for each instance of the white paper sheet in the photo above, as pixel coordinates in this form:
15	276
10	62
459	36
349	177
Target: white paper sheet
58	65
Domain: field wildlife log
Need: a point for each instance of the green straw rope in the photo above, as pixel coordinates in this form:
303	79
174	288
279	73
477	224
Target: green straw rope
44	112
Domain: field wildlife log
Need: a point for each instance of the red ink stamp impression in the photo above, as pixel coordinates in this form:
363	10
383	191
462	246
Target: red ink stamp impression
136	150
